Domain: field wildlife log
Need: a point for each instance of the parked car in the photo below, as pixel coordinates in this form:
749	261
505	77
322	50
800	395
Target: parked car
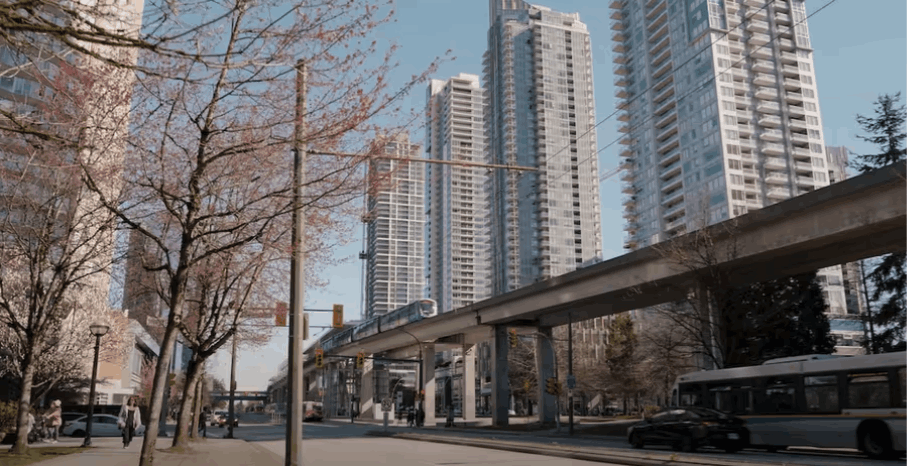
689	428
220	419
69	417
102	425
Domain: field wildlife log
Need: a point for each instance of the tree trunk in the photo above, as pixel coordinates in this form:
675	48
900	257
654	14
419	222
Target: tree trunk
181	439
157	390
28	373
197	407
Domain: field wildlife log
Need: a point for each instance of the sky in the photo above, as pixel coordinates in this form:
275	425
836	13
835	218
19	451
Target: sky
860	51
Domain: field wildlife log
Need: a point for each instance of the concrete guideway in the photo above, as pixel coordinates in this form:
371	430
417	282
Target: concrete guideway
594	454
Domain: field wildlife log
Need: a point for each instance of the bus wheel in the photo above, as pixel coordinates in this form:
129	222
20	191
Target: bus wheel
876	443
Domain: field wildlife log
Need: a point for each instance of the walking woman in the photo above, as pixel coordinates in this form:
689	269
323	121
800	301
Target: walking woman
130	419
54	420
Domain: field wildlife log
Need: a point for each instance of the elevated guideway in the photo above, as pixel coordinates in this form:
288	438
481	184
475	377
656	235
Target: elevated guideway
861	217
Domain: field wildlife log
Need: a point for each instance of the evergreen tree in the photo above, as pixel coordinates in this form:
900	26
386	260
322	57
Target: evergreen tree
777	318
887	278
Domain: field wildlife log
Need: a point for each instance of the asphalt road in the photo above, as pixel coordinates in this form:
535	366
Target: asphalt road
344	443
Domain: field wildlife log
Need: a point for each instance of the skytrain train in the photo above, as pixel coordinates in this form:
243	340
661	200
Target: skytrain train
412	312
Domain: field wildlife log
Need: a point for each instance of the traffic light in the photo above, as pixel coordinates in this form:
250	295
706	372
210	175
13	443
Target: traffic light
319	358
526	385
551	386
337	322
280	314
360	360
171	379
513	338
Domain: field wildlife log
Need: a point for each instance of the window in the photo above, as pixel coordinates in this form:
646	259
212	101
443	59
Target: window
821	393
809	93
805	66
778	396
733	149
735	164
736	179
810	106
812	120
868	390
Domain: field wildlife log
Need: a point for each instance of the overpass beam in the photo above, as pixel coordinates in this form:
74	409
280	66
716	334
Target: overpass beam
500	381
468	399
545	367
428	383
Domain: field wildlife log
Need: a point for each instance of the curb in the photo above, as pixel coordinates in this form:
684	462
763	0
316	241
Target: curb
603	455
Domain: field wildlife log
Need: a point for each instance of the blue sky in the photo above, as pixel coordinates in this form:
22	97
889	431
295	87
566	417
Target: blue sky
860	51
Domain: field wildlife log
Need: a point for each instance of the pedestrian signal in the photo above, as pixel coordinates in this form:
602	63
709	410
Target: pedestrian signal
280	314
337	322
360	360
513	338
319	358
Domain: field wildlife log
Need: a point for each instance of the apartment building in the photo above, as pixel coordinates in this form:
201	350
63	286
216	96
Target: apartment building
395	237
457	262
719	114
540	113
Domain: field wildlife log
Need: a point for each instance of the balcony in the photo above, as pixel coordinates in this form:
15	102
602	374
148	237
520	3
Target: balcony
773	149
626	152
769	120
763	66
662	32
792	84
623	116
621	93
656	10
799	138
760	52
629	202
745	129
658	22
627	140
763	79
796	110
622	81
781	5
805	181
664	108
790	71
614	4
782	18
768	107
801	152
774	162
765	93
661	96
672	196
798	124
619	36
621	69
669	144
794	96
778	193
619	47
669	171
757	26
772	135
744	115
758	38
803	166
667	119
775	178
674	209
617	26
745	101
617	14
786	44
754	2
675	224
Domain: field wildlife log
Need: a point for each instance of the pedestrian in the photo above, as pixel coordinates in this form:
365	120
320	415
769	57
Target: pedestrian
410	418
32	435
54	420
203	422
129	420
450	416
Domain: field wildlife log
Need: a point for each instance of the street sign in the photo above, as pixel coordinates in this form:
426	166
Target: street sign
386	405
571	381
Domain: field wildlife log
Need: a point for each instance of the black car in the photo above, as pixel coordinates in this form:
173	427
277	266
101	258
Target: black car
689	428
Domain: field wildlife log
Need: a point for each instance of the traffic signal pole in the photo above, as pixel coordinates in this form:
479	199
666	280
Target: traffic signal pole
293	456
570	372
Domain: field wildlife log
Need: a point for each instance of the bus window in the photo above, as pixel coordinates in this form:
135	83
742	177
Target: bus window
821	393
902	377
868	390
778	396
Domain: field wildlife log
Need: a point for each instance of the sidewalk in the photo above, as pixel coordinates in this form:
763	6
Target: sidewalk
220	452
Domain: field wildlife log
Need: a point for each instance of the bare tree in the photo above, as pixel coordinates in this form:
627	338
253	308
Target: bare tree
208	173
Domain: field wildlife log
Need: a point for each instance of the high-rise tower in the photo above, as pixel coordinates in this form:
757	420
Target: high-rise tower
720	114
540	112
457	264
395	270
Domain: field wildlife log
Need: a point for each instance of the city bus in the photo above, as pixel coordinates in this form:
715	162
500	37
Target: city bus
821	401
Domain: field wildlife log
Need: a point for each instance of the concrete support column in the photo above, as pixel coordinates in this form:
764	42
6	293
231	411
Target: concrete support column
545	367
428	379
367	407
469	383
500	381
709	327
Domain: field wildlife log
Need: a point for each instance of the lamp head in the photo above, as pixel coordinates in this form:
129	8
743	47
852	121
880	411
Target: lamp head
98	330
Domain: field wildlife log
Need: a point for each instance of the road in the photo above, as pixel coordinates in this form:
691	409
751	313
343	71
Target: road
344	443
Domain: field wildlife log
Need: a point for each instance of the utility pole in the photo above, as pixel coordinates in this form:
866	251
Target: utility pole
570	372
232	413
293	456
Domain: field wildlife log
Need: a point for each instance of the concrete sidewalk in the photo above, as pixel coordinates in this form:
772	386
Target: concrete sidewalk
219	452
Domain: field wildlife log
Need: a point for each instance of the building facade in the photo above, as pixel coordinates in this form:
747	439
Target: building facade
719	112
455	206
395	241
540	113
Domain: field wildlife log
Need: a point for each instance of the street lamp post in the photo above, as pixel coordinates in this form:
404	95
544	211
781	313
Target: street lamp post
421	379
98	330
